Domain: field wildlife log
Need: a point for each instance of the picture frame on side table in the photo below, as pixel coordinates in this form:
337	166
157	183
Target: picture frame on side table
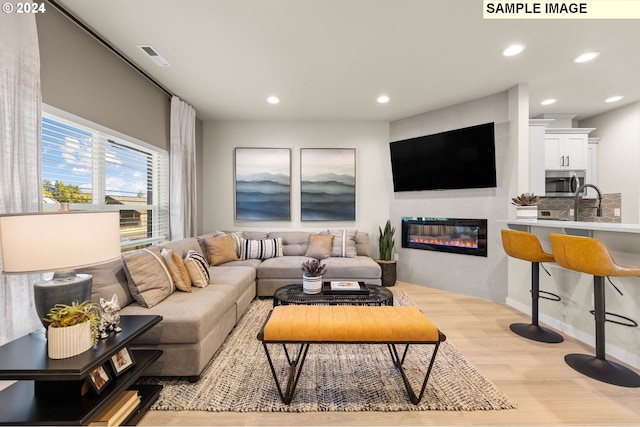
121	361
98	379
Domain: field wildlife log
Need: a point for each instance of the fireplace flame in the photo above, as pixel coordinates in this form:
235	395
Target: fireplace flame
462	242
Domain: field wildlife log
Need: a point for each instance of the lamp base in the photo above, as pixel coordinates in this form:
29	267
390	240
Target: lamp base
64	288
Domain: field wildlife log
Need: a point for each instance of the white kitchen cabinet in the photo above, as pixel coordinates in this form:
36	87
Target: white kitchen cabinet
566	148
537	129
592	166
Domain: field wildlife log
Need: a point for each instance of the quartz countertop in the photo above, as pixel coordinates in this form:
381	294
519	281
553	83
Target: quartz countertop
576	225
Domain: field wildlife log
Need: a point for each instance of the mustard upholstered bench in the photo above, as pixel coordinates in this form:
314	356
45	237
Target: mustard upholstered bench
303	325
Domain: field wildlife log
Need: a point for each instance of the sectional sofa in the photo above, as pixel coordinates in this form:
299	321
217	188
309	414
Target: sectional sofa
225	271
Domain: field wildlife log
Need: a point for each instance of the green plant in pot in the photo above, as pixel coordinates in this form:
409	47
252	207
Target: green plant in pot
526	206
312	276
385	246
73	329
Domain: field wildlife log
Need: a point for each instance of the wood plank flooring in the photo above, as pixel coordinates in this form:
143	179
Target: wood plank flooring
533	375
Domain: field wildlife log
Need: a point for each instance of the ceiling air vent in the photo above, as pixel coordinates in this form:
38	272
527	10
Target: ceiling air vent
155	56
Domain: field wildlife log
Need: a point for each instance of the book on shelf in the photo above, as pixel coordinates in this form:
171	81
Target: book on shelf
119	410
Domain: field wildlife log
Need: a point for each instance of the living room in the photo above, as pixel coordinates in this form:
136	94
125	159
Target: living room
77	70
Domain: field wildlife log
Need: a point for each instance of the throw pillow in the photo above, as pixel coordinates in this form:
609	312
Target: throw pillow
177	269
221	249
149	280
261	249
198	269
344	243
320	246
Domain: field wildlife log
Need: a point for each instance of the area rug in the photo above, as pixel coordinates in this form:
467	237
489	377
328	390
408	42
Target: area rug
334	378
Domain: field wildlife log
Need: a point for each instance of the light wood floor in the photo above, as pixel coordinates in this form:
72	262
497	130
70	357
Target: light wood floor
533	375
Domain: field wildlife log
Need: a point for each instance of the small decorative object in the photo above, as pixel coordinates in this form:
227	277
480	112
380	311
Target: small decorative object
73	329
98	379
121	361
385	246
110	318
312	276
526	206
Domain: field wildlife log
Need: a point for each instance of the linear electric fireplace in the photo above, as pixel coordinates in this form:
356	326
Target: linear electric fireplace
455	235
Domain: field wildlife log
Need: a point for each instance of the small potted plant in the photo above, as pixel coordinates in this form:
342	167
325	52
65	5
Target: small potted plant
385	246
526	206
312	276
73	329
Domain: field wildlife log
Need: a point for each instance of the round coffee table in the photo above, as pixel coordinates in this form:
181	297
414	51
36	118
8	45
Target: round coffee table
293	294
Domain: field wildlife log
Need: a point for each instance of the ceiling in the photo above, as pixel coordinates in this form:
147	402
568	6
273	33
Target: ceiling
331	59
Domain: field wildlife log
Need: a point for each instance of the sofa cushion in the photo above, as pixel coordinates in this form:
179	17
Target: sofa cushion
221	249
293	242
177	269
260	249
319	246
108	279
344	243
186	317
198	269
149	280
358	267
287	267
182	246
362	244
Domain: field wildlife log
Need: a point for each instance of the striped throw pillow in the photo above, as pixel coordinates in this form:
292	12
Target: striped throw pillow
261	249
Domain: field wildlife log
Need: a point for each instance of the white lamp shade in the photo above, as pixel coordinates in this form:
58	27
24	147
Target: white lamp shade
43	242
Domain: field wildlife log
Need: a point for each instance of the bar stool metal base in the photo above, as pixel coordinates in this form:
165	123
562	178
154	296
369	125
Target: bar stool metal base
536	333
603	370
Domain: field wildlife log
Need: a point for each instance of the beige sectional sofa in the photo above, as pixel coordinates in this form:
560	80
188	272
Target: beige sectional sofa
196	323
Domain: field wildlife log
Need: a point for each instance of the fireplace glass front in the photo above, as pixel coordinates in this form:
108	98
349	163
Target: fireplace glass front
455	235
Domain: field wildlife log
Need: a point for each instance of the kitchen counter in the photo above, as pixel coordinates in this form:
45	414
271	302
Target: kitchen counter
580	228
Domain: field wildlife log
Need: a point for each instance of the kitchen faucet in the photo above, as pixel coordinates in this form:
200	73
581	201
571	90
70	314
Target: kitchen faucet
577	200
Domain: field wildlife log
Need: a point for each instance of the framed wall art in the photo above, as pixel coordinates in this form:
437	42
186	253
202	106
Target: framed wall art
328	184
262	184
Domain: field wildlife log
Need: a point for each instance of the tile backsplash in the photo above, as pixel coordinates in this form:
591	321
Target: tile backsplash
587	210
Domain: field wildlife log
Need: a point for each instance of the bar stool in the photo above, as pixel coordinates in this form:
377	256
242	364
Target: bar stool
591	256
526	246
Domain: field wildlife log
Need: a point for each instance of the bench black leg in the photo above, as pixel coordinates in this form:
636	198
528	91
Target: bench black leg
398	362
295	368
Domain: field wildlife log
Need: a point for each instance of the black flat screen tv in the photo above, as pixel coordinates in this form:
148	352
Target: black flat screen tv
456	159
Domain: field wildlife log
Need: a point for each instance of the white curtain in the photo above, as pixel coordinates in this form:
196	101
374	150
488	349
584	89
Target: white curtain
183	169
20	102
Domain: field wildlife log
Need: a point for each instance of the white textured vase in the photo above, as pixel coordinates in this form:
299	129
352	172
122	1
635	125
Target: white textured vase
311	285
529	213
69	341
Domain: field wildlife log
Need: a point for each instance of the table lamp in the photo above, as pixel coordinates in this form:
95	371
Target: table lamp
58	242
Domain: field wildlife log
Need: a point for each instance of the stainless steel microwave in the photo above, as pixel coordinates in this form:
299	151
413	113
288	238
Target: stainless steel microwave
564	183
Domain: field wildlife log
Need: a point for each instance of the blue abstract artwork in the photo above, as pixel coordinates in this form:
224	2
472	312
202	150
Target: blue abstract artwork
328	184
263	184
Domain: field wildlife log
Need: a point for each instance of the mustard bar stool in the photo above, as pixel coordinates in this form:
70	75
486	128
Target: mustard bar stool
591	256
526	246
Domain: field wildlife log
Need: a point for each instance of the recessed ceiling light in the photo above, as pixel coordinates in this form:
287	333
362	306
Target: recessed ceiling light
585	57
273	100
514	49
383	99
548	101
614	98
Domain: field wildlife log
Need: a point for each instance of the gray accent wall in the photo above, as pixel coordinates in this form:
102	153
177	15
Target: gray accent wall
470	275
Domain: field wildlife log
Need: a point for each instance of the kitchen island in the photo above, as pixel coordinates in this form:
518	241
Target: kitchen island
571	316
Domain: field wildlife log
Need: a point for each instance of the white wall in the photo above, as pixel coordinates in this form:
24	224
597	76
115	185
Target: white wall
619	156
373	169
470	275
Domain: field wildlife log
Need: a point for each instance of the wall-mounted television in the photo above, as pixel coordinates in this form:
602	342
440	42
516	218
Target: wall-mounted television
461	158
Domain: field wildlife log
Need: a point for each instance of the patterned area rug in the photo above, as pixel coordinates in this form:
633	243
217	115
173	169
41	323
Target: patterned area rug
334	378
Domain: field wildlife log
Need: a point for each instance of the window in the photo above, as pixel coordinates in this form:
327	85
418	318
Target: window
91	167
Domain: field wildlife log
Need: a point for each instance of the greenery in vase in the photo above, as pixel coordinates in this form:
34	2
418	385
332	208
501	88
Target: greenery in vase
386	242
313	268
525	199
63	315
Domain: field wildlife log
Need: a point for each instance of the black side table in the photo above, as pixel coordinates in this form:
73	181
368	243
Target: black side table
48	390
293	294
